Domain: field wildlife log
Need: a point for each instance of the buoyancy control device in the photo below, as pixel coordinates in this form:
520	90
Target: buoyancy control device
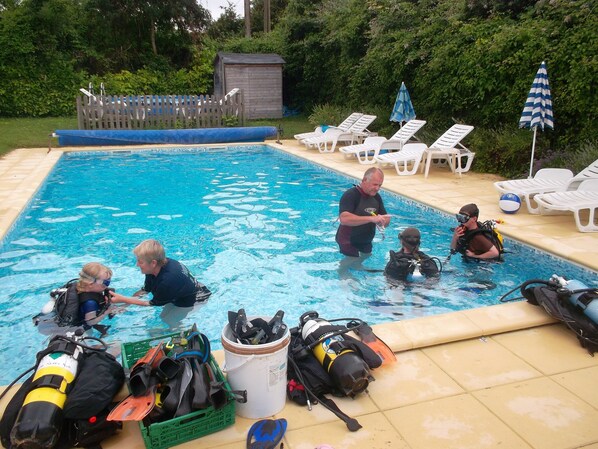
39	422
570	301
488	230
579	295
344	365
324	359
51	407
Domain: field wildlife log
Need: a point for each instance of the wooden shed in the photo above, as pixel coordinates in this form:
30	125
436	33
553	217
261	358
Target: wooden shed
259	76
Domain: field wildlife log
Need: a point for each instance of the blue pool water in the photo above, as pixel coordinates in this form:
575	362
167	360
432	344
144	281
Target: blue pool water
255	225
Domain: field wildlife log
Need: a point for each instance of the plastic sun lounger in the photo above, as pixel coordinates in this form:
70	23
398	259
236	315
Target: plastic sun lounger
367	151
407	160
585	198
449	149
345	125
546	180
333	135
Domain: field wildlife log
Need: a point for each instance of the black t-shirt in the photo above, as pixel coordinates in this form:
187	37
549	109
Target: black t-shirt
354	201
173	284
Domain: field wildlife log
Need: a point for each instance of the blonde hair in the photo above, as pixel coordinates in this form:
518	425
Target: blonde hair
90	273
149	250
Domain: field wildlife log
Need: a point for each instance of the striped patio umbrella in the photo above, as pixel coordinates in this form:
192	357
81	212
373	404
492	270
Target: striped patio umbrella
403	109
537	111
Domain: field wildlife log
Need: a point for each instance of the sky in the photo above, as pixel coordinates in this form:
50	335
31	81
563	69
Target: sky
214	6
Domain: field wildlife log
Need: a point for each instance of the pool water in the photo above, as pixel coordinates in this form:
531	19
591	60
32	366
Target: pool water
255	225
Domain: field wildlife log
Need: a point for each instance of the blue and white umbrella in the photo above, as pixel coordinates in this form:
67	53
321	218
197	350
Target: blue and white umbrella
537	111
403	110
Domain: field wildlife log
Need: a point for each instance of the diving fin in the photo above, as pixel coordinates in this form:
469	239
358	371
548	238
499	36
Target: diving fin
367	336
266	433
217	391
200	399
134	408
184	405
141	379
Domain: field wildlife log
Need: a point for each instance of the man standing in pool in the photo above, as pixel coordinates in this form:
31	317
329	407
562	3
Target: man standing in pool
169	281
361	211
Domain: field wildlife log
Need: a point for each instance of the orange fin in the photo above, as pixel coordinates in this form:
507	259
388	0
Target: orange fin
367	336
133	408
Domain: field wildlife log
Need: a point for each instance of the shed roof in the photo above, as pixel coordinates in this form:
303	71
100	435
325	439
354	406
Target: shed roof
249	58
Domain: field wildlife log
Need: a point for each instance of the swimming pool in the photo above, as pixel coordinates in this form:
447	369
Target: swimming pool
255	225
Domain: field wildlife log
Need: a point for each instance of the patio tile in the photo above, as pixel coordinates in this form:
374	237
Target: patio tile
508	317
430	330
480	363
543	413
583	383
550	349
376	433
413	378
393	336
458	422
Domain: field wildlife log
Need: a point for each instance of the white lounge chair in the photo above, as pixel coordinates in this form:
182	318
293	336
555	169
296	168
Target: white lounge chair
585	198
367	151
449	149
407	160
344	125
546	180
332	136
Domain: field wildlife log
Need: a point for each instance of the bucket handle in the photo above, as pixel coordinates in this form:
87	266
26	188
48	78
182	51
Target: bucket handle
247	360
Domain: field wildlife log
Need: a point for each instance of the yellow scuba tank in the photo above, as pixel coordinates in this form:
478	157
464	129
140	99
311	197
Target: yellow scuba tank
346	368
39	421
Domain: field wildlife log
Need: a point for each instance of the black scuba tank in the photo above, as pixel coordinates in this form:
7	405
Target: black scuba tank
346	368
40	419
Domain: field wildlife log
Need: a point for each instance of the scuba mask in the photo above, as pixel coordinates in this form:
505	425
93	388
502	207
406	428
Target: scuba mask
462	218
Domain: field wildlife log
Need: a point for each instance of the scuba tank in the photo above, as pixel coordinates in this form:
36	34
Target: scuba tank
580	295
39	421
346	368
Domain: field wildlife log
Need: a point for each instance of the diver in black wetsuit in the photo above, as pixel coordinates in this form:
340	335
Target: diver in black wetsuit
409	258
361	211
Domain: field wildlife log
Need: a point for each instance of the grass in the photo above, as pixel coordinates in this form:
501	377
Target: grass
35	132
31	132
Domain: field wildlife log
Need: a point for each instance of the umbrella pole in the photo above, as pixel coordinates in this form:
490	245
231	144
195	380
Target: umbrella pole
531	162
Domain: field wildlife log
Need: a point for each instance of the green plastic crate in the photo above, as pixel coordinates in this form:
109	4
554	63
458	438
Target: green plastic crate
169	433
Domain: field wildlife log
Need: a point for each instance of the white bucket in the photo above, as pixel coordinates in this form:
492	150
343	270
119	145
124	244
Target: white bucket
261	370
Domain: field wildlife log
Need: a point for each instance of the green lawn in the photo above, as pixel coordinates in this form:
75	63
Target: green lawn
36	132
31	132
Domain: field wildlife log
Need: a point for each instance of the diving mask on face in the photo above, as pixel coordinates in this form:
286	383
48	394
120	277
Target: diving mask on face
462	218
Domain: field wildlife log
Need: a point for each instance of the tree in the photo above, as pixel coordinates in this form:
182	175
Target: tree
228	25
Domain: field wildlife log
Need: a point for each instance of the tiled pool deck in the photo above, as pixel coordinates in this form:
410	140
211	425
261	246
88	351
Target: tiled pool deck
503	376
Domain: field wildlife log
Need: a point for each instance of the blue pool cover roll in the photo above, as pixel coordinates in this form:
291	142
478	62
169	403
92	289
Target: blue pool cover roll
79	137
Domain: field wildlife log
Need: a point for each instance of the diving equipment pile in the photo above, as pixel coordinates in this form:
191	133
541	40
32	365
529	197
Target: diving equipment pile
173	380
66	401
257	331
178	392
325	359
569	301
